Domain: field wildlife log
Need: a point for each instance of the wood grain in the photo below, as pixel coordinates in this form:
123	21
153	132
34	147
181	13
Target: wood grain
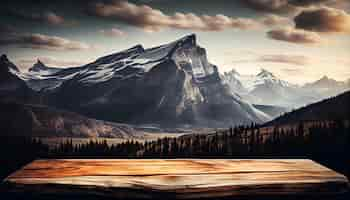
179	178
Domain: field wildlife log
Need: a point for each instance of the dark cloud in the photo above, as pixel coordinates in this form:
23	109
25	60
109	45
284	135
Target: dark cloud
309	2
340	4
41	41
48	17
294	36
283	6
6	30
267	5
323	19
151	19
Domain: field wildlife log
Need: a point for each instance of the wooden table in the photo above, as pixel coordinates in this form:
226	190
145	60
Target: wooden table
174	179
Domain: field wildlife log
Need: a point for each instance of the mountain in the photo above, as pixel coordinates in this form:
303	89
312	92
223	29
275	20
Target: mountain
42	69
263	88
334	108
267	89
12	87
327	87
172	85
34	120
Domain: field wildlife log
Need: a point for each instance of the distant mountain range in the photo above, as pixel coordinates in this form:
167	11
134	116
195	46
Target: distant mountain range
267	89
172	85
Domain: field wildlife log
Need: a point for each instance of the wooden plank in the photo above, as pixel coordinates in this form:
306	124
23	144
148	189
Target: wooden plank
178	178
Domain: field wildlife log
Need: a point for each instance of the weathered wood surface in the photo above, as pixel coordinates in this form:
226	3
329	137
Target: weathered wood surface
178	179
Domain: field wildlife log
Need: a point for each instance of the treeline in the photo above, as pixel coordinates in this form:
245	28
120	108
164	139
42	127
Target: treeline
237	142
15	151
326	142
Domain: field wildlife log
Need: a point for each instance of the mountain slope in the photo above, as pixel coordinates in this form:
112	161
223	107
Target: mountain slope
171	85
11	86
34	120
334	108
273	111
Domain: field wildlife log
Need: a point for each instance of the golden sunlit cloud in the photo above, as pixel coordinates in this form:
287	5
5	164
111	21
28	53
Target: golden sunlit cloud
152	20
275	20
294	36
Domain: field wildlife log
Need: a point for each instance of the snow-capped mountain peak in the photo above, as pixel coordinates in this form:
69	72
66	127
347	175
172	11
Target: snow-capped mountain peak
263	88
326	84
129	63
326	81
267	77
232	72
265	74
268	89
38	66
40	69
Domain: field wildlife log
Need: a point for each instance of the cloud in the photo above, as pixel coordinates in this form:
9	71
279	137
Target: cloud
50	61
294	36
323	19
53	18
269	5
114	32
275	20
289	6
48	17
309	2
152	20
6	30
282	58
41	41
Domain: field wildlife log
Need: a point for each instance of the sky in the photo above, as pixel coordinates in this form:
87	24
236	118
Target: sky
298	40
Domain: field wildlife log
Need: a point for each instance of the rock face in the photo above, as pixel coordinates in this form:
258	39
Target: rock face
171	85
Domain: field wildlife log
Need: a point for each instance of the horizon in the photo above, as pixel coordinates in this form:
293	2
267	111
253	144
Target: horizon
237	35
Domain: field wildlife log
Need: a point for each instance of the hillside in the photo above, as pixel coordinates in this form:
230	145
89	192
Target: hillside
41	121
334	108
273	111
